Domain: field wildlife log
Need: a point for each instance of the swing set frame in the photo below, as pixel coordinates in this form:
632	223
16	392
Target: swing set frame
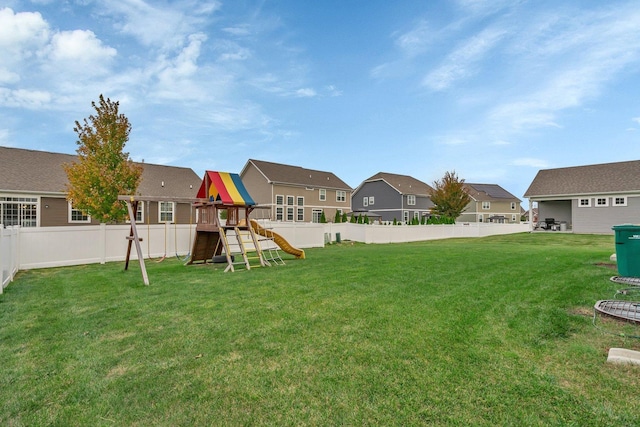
134	238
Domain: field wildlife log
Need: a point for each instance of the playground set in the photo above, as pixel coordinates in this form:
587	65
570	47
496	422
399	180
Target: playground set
224	231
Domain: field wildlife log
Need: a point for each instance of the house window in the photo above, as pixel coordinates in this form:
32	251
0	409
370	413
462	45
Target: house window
513	206
322	194
316	215
300	216
300	201
279	209
513	218
584	203
289	213
480	218
619	201
140	212
416	215
341	196
165	210
365	201
405	216
371	200
486	205
602	201
77	216
290	200
20	211
411	199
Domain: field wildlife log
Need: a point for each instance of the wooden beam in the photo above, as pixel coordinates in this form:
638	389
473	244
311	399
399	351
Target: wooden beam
133	237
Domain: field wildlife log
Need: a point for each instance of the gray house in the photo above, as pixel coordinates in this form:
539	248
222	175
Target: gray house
33	191
587	199
392	196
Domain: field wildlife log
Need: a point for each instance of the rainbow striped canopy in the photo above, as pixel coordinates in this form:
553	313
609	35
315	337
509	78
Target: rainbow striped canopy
224	187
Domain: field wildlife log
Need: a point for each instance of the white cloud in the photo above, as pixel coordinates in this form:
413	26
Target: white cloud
8	77
24	98
636	119
238	30
305	93
531	162
163	26
333	91
480	8
237	118
80	46
462	62
573	65
21	35
415	41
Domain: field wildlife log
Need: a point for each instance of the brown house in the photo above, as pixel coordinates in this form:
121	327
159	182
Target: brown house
33	183
296	194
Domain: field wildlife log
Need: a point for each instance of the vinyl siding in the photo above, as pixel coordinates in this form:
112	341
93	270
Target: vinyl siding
596	219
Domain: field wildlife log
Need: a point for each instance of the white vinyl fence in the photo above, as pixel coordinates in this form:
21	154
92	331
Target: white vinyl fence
414	233
42	247
8	254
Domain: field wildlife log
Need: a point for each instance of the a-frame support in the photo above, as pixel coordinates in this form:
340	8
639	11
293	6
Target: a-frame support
132	207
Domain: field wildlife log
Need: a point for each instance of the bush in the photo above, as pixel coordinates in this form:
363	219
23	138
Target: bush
441	220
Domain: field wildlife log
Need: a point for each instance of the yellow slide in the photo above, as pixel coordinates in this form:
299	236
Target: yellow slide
278	239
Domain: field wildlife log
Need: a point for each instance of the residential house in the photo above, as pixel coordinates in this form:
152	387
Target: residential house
490	203
33	191
587	199
392	197
295	194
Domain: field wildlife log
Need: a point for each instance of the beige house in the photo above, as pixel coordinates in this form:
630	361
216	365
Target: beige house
490	203
33	191
295	194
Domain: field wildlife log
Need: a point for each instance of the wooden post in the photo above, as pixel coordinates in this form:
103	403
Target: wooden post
133	236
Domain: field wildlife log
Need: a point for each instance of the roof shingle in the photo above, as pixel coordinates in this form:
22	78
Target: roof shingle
286	174
620	177
403	184
32	171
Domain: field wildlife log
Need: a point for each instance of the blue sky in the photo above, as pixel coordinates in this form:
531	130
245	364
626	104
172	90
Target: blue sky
493	90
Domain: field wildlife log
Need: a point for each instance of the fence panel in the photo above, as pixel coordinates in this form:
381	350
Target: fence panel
8	255
43	247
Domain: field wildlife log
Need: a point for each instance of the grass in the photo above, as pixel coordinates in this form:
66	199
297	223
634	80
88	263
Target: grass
491	331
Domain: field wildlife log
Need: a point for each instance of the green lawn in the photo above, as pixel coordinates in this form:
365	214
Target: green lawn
491	331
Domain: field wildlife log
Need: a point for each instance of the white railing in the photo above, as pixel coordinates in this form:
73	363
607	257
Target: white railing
42	247
9	262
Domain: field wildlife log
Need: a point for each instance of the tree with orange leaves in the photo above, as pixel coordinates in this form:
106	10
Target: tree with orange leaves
449	196
103	170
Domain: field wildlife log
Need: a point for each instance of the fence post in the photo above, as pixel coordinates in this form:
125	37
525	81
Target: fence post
2	255
103	243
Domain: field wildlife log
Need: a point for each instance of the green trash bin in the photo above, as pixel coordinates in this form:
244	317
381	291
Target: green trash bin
338	238
628	249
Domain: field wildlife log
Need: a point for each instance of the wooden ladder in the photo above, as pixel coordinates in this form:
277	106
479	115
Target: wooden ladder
244	235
